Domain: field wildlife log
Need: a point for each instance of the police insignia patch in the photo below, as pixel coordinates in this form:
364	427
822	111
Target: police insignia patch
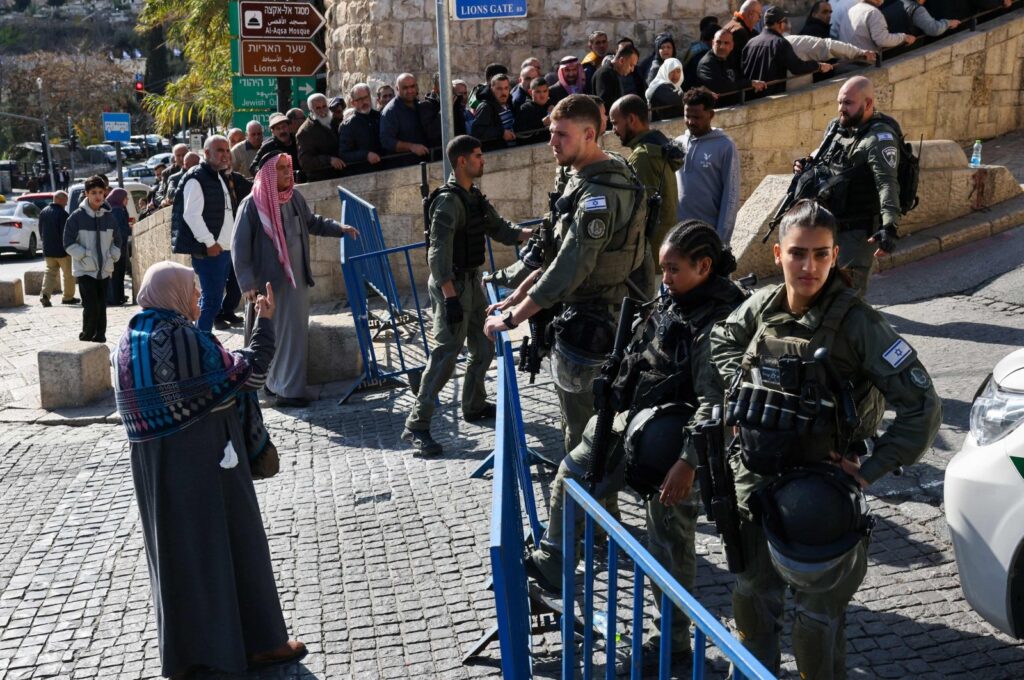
920	378
890	155
596	228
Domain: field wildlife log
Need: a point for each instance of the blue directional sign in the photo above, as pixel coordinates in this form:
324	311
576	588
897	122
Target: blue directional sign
117	127
489	9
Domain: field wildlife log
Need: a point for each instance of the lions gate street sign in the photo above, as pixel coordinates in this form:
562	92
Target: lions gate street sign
488	9
279	20
280	58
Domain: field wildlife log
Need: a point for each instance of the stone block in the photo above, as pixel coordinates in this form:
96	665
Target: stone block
11	292
34	283
563	9
654	9
333	349
913	248
751	223
960	232
511	30
73	374
418	33
939	153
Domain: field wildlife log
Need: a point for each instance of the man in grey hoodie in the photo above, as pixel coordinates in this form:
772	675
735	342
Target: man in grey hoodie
709	181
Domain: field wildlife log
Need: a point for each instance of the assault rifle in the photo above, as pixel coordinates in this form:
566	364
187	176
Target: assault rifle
603	398
535	347
425	193
717	487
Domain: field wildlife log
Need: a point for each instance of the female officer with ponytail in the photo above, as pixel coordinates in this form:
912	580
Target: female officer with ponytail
811	367
666	381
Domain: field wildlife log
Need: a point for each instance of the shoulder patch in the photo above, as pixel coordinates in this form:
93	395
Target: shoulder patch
891	155
596	227
885	137
595	203
920	378
897	353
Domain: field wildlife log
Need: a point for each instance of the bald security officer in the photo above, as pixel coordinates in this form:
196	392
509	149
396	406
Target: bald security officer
861	155
599	256
461	219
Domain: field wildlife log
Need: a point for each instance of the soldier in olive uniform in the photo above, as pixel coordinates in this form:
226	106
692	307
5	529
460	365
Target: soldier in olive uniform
770	341
461	218
599	251
861	153
668	363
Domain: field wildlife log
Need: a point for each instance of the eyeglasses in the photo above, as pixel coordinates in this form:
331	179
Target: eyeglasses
364	98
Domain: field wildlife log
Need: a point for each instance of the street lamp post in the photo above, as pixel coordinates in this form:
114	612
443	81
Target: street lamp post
47	151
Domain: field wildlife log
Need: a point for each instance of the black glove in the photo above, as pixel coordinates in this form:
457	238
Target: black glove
885	238
453	311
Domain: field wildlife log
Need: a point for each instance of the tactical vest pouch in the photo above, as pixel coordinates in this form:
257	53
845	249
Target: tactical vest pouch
583	337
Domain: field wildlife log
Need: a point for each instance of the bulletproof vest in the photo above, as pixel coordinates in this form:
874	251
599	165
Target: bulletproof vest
469	247
628	245
858	197
664	369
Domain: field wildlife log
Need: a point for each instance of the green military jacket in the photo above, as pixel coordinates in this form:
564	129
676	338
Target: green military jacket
866	350
598	228
447	218
657	172
871	155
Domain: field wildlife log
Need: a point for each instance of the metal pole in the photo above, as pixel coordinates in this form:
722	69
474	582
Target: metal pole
445	72
71	152
48	152
120	173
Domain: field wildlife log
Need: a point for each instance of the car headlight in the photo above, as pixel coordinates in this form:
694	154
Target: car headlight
995	413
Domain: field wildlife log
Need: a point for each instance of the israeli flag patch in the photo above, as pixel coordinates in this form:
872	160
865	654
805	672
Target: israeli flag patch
898	353
595	203
885	137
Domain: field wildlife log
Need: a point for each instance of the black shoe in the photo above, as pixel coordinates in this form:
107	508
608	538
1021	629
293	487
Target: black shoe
70	301
232	319
422	441
534	572
221	324
489	411
44	300
292	402
651	662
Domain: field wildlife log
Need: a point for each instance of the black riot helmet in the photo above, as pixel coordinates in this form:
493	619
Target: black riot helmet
814	517
654	442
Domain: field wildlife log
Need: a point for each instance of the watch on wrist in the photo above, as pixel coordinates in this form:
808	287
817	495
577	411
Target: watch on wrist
506	319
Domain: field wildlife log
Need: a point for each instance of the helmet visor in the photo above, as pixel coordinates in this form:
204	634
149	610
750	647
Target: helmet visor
813	577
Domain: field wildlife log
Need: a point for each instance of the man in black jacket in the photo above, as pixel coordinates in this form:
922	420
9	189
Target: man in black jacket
318	142
359	137
495	120
768	56
51	229
238	188
606	79
282	141
716	73
819	20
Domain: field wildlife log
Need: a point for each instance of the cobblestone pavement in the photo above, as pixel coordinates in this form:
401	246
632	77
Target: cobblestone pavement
381	556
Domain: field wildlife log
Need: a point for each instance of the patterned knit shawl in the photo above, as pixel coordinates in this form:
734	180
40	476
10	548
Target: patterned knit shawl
170	375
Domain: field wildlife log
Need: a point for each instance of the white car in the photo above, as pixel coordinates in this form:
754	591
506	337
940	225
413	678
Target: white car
106	149
136	190
141	173
19	228
166	158
984	496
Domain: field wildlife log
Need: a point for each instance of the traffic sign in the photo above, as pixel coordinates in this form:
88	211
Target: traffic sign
254	93
487	9
281	58
117	127
279	20
240	119
301	89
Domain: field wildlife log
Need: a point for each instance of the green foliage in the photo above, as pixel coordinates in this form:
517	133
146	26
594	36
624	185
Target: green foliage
203	93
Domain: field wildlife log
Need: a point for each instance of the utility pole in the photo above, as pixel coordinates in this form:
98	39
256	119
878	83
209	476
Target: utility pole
47	151
72	146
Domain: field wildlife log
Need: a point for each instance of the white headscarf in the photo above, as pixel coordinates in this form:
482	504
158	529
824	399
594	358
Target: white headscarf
670	64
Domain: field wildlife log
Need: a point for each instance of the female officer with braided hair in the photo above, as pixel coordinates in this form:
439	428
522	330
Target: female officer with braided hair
803	523
667	363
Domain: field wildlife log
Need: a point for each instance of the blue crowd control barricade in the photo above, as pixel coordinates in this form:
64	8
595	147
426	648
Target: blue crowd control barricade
706	626
366	266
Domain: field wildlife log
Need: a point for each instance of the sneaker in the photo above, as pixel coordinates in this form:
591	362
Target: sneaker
221	324
421	440
232	319
488	412
44	300
70	301
650	664
534	572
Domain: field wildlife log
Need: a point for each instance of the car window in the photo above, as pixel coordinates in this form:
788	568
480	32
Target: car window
8	208
139	195
30	210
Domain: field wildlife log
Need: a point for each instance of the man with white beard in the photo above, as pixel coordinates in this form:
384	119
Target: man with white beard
318	143
359	136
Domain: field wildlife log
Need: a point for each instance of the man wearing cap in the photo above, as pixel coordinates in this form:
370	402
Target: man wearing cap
359	136
243	153
318	143
768	56
570	80
337	107
282	141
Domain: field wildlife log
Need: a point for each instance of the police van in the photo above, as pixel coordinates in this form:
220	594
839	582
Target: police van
984	498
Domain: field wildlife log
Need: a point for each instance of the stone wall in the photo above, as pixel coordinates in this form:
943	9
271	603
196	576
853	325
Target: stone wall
960	89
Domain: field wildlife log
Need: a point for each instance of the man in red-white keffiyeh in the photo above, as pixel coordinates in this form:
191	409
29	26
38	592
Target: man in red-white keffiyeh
271	245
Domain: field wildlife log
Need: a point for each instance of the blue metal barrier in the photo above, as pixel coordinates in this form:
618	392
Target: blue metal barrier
366	268
706	626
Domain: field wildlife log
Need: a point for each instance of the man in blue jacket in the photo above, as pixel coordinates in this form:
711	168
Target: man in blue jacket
51	229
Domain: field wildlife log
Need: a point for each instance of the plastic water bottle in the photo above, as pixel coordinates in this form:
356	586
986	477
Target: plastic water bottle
976	154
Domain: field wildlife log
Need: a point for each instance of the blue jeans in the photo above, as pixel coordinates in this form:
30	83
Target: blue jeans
213	277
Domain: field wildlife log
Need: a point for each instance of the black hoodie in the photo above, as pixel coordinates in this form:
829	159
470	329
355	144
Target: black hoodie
648	68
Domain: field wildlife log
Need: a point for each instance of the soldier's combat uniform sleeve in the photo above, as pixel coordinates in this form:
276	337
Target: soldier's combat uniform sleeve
588	235
880	147
445	215
731	337
707	384
892	365
500	229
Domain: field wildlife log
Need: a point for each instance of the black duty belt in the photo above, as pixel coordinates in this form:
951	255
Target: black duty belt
465	273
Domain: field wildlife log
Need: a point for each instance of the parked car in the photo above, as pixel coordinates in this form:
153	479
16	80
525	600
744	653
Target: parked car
150	144
165	158
137	190
984	498
106	149
131	150
141	173
19	228
40	199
